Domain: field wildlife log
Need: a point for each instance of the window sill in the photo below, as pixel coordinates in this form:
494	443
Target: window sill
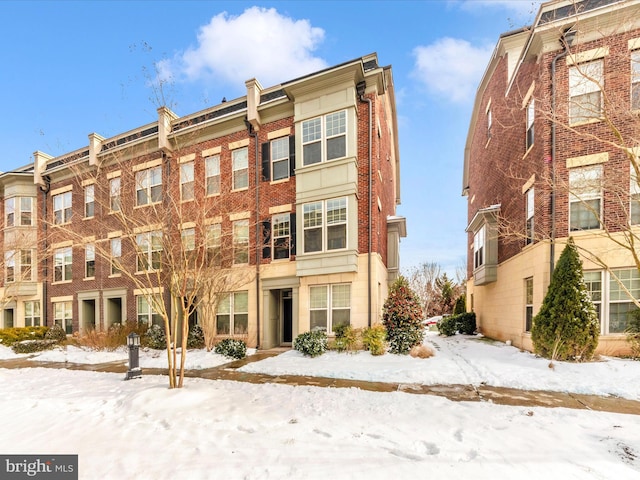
146	205
585	122
115	275
243	189
88	278
88	218
280	180
188	200
211	195
61	282
113	212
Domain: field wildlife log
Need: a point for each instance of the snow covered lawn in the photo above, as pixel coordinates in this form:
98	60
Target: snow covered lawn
228	430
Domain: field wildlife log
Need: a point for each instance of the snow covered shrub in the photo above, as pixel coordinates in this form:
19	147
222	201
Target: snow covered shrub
421	351
9	336
633	334
566	327
374	339
31	346
346	338
466	323
155	338
312	343
196	337
232	348
447	326
56	333
402	317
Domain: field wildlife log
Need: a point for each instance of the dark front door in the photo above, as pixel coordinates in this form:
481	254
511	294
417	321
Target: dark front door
287	319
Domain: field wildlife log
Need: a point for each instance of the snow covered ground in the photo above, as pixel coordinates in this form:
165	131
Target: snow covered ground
227	430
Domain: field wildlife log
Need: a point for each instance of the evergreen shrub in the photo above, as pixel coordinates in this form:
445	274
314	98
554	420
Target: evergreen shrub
31	346
461	305
311	344
633	334
9	336
232	348
346	338
466	323
447	325
155	338
402	317
196	337
56	333
374	339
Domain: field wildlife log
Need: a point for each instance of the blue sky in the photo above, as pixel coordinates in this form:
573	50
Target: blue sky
72	68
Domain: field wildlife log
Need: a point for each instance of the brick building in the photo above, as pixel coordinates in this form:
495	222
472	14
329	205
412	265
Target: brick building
291	190
550	153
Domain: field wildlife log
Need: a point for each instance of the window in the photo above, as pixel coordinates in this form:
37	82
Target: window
330	306
10	212
116	256
149	251
114	194
634	193
25	214
325	220
186	181
241	242
324	138
240	160
528	303
10	266
280	158
146	313
62	316
32	314
89	202
188	239
212	174
89	260
233	314
593	281
281	236
489	123
478	247
62	208
585	192
213	242
531	110
530	212
149	186
635	80
585	96
620	305
62	261
26	265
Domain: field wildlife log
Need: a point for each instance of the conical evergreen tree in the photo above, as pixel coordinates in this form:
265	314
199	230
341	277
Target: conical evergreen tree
402	317
566	327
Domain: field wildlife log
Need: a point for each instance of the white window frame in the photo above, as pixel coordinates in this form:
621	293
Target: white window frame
26	264
149	251
149	184
325	303
62	208
240	242
593	280
530	133
188	238
89	260
32	313
115	192
530	214
213	242
63	316
63	265
281	236
231	305
319	132
585	187
585	81
116	256
479	242
146	313
10	212
528	304
240	168
10	266
634	197
489	123
279	151
635	80
212	175
89	201
26	212
317	216
187	181
612	294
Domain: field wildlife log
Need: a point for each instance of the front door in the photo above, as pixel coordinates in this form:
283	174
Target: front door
287	318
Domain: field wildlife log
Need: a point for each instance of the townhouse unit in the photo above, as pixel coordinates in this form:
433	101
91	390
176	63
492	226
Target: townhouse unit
288	195
551	153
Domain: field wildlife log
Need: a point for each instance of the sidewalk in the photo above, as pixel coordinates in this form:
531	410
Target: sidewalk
456	393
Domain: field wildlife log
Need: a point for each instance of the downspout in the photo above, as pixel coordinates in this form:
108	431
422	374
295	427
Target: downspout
45	190
360	89
566	40
254	134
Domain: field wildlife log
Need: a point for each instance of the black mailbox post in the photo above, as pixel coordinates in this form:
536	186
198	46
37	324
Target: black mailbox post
133	342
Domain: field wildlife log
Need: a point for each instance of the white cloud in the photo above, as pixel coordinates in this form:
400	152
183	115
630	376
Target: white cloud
451	67
259	43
